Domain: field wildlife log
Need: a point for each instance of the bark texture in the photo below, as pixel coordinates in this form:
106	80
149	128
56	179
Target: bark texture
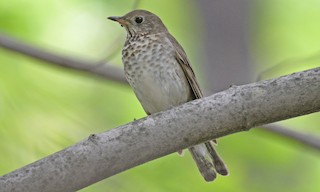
102	155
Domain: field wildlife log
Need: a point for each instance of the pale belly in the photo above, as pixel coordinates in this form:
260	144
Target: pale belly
161	92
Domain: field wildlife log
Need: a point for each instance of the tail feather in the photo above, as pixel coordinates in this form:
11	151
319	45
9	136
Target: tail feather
219	165
208	161
205	167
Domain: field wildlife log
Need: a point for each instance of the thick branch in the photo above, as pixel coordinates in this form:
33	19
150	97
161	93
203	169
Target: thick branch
106	71
103	155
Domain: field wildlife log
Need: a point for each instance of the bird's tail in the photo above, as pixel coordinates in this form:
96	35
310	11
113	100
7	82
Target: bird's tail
208	161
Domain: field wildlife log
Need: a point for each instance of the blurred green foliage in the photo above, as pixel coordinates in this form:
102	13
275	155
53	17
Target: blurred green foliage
44	109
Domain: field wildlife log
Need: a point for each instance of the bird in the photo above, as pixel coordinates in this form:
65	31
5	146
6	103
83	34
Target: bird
159	72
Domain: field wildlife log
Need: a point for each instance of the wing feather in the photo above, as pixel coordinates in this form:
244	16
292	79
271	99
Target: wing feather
182	59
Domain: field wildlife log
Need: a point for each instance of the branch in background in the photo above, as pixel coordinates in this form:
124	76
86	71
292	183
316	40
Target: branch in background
106	71
304	138
103	155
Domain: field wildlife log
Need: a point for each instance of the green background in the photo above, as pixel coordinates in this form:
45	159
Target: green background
44	109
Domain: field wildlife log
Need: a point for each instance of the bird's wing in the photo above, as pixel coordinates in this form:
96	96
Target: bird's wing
182	59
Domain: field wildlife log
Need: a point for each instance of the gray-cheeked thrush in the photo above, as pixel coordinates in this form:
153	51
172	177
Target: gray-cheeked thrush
159	72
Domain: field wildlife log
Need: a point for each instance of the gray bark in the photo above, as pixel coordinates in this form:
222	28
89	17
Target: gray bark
102	155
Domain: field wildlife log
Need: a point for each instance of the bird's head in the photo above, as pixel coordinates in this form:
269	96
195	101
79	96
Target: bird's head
140	22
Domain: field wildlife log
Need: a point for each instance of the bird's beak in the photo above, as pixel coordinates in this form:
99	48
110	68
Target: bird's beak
119	20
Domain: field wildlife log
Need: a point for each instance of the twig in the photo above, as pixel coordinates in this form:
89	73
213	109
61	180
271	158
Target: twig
304	138
297	62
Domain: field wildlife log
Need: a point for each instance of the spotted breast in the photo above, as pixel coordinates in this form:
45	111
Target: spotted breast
154	74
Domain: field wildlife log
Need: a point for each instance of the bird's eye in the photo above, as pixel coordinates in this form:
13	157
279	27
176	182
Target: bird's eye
138	19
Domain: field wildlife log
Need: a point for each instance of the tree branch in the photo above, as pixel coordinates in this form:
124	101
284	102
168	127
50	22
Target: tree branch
107	71
103	155
304	138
